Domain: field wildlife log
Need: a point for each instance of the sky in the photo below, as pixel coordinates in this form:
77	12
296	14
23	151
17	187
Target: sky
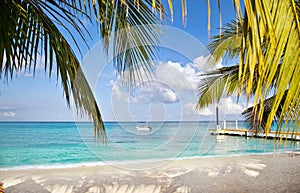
169	95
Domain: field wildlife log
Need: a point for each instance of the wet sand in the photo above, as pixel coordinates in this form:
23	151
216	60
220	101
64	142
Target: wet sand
251	173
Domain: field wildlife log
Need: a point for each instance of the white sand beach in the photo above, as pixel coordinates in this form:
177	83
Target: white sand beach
251	173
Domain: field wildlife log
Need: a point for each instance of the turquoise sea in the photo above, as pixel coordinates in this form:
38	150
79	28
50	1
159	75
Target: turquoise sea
69	144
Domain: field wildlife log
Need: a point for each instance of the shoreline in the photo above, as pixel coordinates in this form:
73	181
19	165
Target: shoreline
117	163
276	172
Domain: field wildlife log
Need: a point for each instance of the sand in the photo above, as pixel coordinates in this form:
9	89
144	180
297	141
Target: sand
252	173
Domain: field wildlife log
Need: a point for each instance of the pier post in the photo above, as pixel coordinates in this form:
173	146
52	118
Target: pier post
217	117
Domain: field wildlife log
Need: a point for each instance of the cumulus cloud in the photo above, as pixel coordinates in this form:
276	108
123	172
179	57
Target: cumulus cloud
154	92
172	85
117	90
184	77
205	111
206	63
173	81
226	106
169	78
150	91
7	114
177	76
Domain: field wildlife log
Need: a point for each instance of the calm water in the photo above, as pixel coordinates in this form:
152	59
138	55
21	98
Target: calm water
33	144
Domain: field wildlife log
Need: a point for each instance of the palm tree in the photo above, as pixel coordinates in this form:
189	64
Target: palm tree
259	75
270	43
30	28
267	44
269	37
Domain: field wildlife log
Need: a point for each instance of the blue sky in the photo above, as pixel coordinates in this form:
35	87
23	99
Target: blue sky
170	96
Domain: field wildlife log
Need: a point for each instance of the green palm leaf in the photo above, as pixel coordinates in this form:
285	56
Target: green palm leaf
135	40
130	27
228	43
215	84
277	24
258	126
28	32
29	28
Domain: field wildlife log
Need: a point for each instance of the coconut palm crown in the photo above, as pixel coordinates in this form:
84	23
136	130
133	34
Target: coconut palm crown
266	41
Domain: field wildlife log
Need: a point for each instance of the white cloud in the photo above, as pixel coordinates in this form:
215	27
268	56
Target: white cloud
180	78
7	114
150	91
226	106
184	77
177	76
154	92
206	63
174	82
229	107
169	78
116	90
190	107
206	112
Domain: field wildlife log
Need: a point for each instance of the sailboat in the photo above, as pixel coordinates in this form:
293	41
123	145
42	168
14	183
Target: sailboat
143	127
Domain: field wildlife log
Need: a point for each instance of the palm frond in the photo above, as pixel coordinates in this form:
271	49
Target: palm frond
29	29
130	27
221	82
135	40
267	42
228	43
27	32
258	126
213	85
274	23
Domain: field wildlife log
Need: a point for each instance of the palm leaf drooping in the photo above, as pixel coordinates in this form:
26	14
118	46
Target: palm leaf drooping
260	75
273	31
29	29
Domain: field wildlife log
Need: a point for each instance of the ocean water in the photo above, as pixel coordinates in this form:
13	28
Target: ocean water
60	144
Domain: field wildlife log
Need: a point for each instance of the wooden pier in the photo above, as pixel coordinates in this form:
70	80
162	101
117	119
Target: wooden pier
248	133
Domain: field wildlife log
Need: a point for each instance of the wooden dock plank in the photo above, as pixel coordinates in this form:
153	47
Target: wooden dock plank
248	133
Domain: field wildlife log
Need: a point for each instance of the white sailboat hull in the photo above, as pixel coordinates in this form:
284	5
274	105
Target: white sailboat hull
143	128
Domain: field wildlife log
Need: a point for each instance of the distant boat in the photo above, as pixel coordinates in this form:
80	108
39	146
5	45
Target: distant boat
143	127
